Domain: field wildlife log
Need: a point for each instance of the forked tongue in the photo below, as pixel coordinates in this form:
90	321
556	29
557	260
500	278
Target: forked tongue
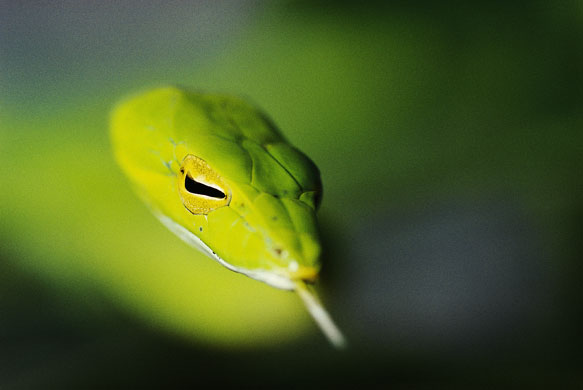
320	315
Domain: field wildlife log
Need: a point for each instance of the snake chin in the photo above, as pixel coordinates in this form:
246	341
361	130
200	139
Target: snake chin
271	278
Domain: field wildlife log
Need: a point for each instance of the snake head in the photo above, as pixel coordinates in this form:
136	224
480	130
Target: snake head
219	174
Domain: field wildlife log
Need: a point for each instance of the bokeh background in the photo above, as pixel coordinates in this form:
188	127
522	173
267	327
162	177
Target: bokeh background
448	135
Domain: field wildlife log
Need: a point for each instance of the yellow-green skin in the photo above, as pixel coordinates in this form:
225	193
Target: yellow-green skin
268	230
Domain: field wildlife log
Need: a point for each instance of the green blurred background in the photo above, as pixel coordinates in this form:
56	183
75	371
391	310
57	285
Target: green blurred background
449	141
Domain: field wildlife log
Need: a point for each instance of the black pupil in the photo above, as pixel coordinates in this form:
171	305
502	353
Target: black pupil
194	187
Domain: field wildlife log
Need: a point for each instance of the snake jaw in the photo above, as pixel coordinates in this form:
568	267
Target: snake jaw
306	274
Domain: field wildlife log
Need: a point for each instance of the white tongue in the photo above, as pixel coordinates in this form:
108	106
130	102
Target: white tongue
321	316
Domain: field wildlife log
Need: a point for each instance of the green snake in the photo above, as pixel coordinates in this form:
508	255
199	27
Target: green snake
219	174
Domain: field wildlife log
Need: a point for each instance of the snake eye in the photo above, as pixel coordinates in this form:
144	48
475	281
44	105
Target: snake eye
197	188
201	189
